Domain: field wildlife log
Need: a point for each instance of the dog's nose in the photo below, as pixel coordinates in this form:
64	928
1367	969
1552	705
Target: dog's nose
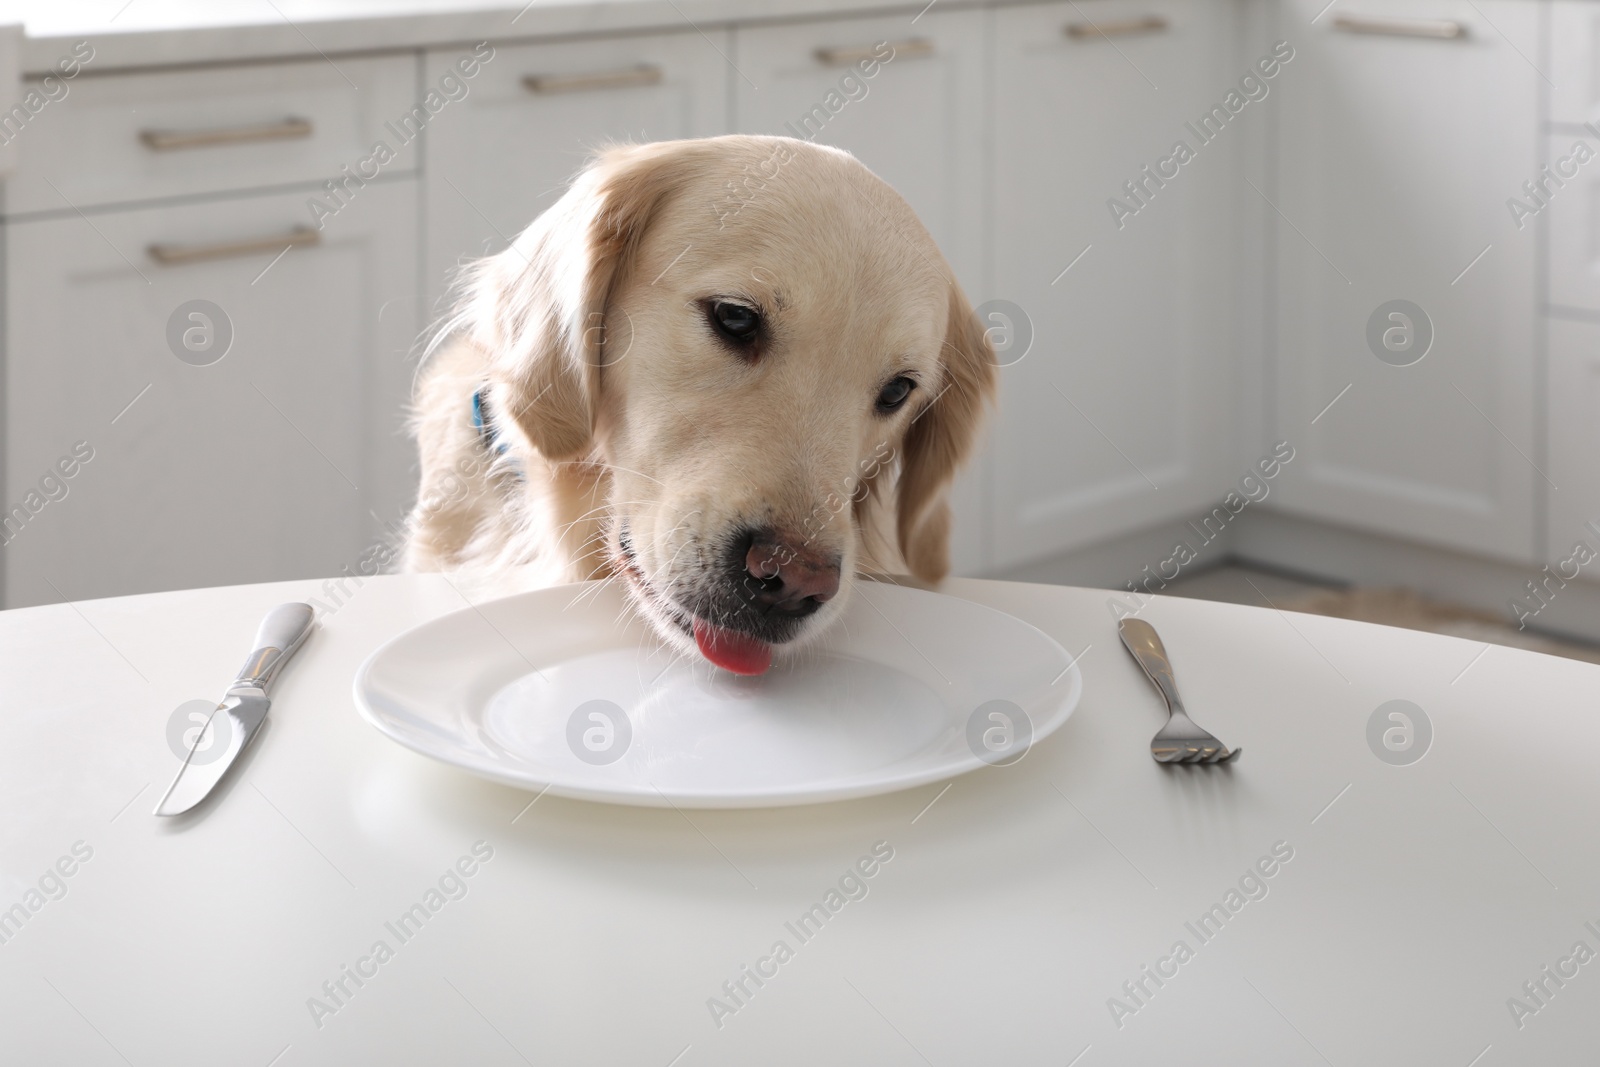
784	575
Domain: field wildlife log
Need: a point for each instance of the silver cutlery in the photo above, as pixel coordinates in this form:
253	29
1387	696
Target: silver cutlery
1180	740
244	707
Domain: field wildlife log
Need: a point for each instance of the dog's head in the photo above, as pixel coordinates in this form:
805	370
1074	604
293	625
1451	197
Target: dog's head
760	341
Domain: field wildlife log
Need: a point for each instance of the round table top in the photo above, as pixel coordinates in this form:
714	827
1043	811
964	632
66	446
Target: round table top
1332	898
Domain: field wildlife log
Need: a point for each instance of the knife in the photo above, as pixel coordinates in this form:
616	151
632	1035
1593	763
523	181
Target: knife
282	632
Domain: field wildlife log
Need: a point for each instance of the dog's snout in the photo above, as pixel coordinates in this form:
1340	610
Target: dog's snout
785	575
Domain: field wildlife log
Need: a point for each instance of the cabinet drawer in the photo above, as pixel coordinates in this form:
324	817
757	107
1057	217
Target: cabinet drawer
1574	226
127	137
1575	61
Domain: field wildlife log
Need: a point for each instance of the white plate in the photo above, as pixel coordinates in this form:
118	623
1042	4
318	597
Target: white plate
898	693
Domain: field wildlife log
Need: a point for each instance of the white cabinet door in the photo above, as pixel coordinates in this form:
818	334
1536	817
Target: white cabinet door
502	154
268	463
1396	155
1574	440
1119	417
918	123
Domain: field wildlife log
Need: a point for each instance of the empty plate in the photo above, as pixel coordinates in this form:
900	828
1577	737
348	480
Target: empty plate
565	689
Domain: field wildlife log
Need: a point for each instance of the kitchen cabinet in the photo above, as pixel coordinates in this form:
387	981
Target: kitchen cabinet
252	437
1395	155
1119	417
535	113
118	138
918	122
1170	339
1573	444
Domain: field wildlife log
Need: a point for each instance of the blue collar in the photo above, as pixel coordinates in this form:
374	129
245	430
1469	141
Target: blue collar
488	436
480	422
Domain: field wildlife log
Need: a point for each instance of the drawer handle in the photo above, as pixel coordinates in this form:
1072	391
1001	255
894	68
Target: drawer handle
627	77
1125	28
172	140
849	56
1438	29
173	255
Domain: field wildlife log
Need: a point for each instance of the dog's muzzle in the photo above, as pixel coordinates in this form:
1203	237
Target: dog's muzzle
763	586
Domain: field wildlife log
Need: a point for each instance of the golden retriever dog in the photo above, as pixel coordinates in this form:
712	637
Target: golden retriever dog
732	373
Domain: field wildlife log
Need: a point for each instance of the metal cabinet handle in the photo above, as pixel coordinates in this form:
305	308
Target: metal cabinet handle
170	255
172	140
849	55
643	74
1123	28
1439	29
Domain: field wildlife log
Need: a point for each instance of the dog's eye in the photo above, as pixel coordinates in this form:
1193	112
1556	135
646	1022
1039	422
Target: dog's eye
737	323
892	396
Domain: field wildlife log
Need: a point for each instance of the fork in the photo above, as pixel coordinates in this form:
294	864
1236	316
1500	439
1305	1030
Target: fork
1180	740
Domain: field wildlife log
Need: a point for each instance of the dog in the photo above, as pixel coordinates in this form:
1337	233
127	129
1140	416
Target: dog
732	373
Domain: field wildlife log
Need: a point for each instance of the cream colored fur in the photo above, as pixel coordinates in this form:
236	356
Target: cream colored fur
622	411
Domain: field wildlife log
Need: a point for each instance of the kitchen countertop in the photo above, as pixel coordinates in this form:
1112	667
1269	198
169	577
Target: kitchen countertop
1404	906
144	33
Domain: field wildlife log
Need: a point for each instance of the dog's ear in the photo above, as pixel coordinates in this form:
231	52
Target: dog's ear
939	440
538	308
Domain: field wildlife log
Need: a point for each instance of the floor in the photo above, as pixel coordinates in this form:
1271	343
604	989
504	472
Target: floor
1243	584
1237	583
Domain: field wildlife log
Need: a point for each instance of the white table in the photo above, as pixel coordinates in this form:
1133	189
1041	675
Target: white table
1018	902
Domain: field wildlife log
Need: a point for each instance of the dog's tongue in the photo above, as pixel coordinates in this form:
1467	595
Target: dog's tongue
730	651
